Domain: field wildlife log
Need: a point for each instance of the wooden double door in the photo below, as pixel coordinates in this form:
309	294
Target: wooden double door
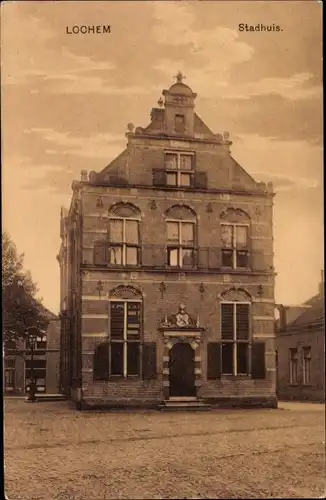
182	370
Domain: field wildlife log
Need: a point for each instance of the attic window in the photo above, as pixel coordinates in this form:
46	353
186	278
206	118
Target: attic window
179	124
179	168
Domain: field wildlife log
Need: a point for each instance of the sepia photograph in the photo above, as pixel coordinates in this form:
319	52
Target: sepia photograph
162	249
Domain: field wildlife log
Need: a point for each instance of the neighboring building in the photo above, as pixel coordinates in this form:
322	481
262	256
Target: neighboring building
17	362
300	341
167	278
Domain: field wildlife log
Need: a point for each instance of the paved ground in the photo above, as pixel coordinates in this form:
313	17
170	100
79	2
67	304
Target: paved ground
53	452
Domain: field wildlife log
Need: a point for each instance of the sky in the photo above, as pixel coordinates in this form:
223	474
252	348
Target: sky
67	100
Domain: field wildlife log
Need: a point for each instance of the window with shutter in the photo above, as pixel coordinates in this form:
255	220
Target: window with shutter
258	370
149	361
235	334
125	337
213	360
179	168
227	321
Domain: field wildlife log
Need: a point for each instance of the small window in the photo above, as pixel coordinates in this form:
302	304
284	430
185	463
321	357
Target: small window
293	366
179	169
306	365
179	124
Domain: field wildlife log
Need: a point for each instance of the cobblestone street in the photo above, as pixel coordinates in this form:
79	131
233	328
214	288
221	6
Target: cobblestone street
54	452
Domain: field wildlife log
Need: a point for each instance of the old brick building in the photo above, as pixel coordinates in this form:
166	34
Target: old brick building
18	364
167	279
300	342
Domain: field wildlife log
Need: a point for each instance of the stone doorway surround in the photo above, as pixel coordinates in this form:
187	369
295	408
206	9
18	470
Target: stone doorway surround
180	328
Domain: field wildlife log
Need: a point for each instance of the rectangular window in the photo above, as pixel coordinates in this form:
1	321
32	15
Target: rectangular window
9	380
235	253
179	169
293	366
181	244
235	325
125	328
306	365
9	362
124	242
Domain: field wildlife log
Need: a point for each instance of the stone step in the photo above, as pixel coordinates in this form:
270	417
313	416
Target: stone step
181	405
51	397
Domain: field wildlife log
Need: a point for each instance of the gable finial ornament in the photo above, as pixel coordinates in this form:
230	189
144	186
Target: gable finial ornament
179	76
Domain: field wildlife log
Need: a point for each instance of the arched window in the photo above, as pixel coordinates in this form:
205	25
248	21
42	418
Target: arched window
124	238
126	310
181	224
235	228
235	332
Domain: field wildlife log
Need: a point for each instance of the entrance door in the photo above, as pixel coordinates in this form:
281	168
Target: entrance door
182	371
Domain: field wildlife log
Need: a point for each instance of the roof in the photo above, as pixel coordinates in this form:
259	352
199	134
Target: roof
180	89
48	314
315	314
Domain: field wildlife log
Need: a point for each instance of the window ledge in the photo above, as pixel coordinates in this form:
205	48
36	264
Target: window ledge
119	378
240	376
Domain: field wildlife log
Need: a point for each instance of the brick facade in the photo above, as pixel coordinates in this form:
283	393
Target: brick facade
300	335
17	358
220	190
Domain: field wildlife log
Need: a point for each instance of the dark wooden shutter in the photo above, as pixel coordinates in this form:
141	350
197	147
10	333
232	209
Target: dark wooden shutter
258	260
200	180
242	319
203	258
258	370
100	253
153	256
149	360
101	362
159	177
227	324
215	258
213	360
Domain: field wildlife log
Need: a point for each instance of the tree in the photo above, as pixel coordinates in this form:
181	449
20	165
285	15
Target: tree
22	312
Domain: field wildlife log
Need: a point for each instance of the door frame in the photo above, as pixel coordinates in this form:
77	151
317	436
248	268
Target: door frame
188	346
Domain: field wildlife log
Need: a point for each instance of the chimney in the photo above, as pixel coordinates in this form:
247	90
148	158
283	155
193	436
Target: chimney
282	311
322	283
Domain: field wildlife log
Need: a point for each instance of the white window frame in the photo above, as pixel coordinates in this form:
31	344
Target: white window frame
123	244
306	361
234	341
124	340
234	248
179	246
178	171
